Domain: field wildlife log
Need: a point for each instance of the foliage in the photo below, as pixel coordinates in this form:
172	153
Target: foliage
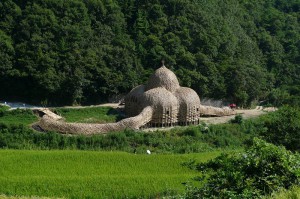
283	128
238	119
293	193
85	51
3	109
190	140
88	174
260	170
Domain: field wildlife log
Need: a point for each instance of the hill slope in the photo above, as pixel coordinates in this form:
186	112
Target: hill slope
85	51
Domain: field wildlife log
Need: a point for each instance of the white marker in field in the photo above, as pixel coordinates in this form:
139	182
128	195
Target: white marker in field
149	152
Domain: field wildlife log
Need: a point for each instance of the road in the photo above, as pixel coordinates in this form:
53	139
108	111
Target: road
246	114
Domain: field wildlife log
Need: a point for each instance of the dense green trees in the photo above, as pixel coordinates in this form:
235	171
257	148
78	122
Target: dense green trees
283	128
84	51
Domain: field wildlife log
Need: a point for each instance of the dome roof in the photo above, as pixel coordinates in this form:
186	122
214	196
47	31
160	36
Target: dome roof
165	78
133	101
137	91
187	96
160	97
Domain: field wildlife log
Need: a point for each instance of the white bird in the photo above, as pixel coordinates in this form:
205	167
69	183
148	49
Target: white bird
149	152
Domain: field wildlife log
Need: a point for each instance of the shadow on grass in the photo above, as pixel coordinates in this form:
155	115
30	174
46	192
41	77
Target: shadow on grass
119	113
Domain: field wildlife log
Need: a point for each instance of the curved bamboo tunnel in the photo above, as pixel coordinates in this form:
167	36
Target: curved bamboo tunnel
50	124
216	111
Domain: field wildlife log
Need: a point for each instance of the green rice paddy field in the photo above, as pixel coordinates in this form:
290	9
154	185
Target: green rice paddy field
91	174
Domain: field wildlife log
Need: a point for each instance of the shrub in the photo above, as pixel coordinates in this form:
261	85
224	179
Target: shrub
238	119
283	128
3	109
177	140
262	169
293	193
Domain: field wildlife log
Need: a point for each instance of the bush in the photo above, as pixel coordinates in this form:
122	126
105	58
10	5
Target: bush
293	193
178	140
283	128
238	119
262	169
3	109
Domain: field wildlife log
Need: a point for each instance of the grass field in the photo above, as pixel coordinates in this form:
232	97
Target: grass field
89	114
18	116
22	197
85	115
89	174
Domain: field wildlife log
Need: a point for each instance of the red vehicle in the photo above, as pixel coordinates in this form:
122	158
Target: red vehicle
232	106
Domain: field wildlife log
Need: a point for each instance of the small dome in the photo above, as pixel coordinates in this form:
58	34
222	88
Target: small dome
187	96
160	97
165	78
164	104
133	101
189	106
137	91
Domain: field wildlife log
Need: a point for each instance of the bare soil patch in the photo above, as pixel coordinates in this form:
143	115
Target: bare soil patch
246	113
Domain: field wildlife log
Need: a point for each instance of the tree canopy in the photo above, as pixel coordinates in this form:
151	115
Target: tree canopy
85	51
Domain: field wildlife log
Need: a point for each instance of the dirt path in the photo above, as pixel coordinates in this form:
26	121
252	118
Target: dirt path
246	113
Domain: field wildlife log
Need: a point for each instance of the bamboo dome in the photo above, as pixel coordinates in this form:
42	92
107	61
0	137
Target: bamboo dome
165	106
171	103
189	106
133	101
163	77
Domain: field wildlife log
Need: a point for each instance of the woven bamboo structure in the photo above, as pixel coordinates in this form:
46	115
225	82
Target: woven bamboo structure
189	106
134	100
165	107
216	111
50	124
159	103
164	78
172	104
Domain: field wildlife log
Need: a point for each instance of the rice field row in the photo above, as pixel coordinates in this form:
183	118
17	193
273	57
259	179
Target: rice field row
90	174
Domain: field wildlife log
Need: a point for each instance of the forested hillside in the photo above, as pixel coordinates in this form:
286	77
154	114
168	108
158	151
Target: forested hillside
84	51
